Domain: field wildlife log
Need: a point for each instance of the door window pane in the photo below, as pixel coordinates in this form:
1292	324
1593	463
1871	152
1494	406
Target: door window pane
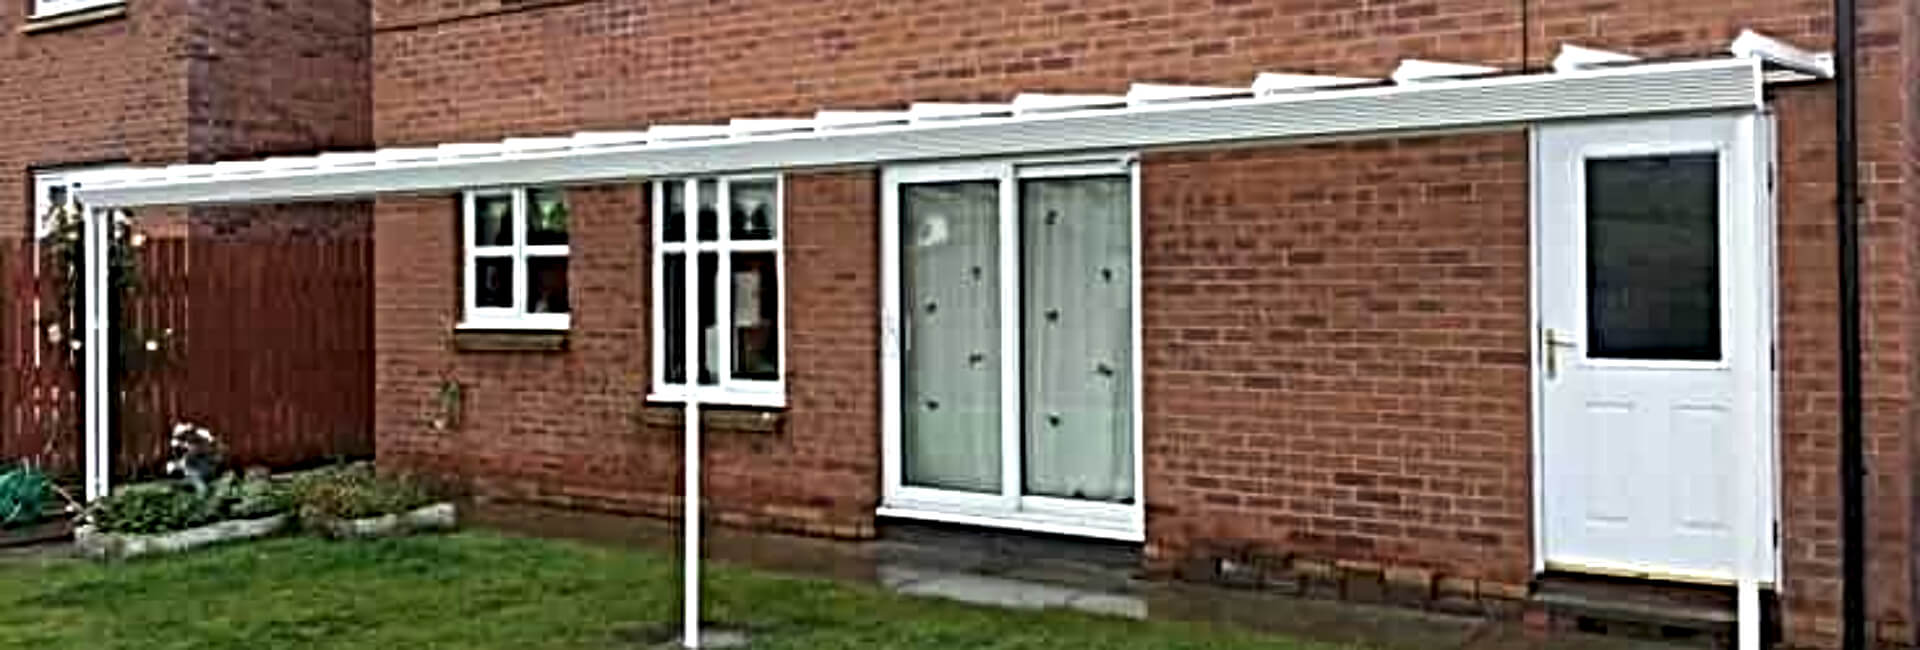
493	220
1076	291
673	296
547	285
1653	258
753	210
756	316
493	282
950	285
546	217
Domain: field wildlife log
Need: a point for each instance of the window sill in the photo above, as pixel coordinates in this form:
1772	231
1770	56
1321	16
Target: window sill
73	18
757	420
496	340
712	398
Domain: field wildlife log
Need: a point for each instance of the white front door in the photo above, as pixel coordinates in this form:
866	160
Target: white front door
1011	346
1653	362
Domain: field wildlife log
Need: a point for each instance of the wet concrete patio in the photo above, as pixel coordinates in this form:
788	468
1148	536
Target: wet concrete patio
1013	570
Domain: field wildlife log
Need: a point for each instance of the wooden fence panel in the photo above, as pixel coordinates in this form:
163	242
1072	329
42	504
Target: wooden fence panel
39	423
266	341
154	364
282	348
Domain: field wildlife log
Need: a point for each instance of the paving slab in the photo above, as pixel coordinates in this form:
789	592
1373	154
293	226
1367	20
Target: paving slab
1102	579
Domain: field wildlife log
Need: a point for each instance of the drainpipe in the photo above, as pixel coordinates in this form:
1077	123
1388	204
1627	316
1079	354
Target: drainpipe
1852	453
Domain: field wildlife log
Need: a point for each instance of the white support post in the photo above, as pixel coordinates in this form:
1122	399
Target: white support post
96	233
1749	614
1753	526
690	627
690	498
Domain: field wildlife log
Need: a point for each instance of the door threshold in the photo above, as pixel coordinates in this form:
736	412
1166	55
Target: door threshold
1648	574
1023	521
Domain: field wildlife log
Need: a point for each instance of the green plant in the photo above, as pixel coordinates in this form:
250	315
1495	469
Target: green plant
135	347
152	508
550	212
449	398
356	492
252	497
23	496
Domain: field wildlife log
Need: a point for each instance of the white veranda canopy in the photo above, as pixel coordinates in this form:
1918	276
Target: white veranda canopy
1420	96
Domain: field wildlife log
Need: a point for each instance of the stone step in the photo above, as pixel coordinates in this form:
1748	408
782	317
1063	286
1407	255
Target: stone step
1641	608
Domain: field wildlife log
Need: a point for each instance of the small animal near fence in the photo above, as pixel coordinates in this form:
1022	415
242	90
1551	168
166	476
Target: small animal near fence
267	342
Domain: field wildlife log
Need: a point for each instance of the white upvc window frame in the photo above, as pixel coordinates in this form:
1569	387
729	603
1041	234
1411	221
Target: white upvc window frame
727	390
52	8
515	317
1011	507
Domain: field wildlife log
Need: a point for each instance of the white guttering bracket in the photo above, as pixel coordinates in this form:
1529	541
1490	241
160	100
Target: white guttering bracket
867	138
1778	53
1573	58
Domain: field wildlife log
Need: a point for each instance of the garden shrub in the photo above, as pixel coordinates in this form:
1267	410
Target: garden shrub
152	508
251	497
356	492
344	492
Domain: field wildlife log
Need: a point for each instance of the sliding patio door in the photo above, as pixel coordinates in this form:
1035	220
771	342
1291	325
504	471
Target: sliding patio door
1011	346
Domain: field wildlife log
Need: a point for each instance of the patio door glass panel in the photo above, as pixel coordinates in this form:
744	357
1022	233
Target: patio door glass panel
950	301
1076	322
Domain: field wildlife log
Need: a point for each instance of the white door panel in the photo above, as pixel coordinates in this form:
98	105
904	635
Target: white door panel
1650	275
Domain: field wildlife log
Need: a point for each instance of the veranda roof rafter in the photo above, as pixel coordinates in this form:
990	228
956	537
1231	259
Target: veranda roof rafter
1421	96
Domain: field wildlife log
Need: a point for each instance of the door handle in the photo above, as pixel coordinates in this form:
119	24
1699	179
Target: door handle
1552	340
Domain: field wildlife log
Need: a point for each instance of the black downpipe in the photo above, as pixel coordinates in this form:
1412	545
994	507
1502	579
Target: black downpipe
1853	606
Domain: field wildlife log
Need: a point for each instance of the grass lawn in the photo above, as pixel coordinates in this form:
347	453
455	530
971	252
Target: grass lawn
475	590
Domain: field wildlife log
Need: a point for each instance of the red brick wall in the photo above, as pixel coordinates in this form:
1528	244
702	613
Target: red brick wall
172	81
279	77
86	94
468	69
572	427
1336	341
476	69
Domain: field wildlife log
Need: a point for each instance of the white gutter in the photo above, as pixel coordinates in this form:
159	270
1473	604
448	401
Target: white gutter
1631	90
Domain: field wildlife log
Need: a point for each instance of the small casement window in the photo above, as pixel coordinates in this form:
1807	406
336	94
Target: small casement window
516	259
48	8
717	272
